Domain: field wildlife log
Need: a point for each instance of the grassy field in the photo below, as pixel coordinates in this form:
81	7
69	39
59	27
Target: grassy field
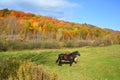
99	63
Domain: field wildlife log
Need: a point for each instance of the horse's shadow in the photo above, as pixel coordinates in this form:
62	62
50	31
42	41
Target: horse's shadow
65	62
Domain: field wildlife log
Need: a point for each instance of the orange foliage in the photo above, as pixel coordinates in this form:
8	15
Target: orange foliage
28	22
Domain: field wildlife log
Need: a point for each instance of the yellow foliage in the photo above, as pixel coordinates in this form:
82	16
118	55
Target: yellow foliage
30	71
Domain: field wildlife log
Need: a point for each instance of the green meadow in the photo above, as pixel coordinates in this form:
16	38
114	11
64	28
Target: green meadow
95	63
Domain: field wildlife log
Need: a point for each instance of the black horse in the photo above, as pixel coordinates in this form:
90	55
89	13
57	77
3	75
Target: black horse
67	57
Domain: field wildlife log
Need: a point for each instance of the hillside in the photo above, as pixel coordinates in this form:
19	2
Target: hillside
47	32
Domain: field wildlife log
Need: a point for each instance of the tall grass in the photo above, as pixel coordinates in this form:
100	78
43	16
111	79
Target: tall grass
13	69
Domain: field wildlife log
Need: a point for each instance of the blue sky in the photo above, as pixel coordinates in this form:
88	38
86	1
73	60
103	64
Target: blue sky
102	13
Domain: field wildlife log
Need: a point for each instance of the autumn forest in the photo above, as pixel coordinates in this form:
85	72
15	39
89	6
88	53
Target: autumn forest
20	30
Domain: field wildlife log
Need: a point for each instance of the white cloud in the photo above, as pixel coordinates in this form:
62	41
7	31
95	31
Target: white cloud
54	8
52	3
41	3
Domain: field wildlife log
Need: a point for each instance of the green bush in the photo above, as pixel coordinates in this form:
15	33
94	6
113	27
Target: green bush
52	44
3	46
17	45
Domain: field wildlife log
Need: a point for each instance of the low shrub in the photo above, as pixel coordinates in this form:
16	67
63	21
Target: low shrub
30	71
8	67
52	44
13	69
3	46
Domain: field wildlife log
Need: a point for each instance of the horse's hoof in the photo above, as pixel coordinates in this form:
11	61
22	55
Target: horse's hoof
59	65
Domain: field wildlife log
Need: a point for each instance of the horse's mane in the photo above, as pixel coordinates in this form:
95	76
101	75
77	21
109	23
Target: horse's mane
74	53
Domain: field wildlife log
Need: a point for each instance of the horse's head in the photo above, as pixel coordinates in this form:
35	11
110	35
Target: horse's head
77	53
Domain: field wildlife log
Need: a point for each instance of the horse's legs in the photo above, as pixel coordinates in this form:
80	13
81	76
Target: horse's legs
58	59
60	62
75	60
71	62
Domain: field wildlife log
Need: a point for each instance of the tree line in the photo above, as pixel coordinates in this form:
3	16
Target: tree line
36	31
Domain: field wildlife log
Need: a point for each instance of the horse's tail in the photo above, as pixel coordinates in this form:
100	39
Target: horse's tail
58	59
